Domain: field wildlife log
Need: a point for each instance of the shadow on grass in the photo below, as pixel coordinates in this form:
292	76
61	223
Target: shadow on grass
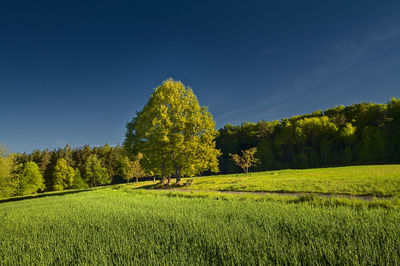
151	186
36	196
155	186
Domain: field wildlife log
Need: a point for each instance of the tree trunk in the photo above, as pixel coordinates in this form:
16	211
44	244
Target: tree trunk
137	180
178	174
292	154
162	181
162	170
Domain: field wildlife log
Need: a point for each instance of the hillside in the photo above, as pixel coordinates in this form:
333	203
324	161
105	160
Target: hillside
114	226
373	180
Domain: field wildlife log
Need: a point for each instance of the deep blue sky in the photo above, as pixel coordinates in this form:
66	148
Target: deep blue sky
76	71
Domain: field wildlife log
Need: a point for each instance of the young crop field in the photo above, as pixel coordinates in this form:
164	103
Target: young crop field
126	226
373	180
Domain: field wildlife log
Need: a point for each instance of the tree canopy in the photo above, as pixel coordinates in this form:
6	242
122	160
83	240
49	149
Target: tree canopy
95	174
8	182
63	175
129	169
247	159
363	133
175	134
31	179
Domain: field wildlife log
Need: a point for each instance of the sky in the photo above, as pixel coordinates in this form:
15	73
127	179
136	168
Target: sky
74	72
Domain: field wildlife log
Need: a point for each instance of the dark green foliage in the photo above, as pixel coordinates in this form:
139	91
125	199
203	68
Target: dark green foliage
393	128
364	133
95	174
78	182
76	158
373	145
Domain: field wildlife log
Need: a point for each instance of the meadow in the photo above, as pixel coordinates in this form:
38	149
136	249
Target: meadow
119	225
369	180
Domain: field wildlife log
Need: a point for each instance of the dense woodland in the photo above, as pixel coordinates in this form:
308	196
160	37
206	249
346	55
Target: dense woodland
364	133
62	168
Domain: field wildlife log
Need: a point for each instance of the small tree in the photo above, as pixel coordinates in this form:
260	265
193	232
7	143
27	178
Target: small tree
137	170
131	169
247	159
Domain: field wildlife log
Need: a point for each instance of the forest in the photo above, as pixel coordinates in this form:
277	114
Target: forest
364	133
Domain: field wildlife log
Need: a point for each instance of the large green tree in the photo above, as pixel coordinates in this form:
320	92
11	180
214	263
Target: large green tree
175	134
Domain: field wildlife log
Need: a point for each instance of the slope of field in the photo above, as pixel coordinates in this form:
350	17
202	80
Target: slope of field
119	226
375	180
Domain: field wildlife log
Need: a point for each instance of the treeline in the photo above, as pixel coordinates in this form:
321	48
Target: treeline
364	133
60	169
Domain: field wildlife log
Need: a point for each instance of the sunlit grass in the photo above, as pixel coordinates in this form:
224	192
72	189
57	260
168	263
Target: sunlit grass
126	226
375	180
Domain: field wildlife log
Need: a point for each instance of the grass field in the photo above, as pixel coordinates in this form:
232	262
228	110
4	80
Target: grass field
374	180
125	226
122	224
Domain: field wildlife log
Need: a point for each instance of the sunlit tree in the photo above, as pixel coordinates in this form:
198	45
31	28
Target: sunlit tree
63	175
31	179
175	134
247	159
8	181
129	169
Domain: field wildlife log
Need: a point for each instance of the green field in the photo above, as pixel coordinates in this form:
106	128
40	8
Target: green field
122	226
374	180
